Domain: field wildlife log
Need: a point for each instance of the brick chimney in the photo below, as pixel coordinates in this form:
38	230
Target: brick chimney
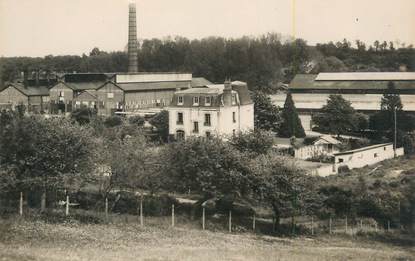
132	39
227	93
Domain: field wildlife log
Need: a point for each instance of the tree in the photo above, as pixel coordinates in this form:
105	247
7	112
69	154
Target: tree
384	120
45	153
267	116
255	141
291	124
210	167
337	116
161	122
279	183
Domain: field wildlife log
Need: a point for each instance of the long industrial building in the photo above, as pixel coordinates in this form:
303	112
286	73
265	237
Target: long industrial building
363	89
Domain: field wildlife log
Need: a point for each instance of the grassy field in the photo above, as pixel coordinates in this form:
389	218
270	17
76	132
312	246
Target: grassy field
38	240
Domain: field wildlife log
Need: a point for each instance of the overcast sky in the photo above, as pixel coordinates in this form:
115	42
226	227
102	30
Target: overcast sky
42	27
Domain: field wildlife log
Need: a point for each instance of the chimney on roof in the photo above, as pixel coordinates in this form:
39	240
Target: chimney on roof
132	39
227	93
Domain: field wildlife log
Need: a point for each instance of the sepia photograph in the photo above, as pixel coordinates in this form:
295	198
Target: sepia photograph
199	130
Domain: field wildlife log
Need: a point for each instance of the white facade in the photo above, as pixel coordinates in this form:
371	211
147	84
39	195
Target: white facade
223	120
212	110
365	156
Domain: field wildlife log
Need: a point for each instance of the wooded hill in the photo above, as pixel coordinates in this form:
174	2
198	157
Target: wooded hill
262	61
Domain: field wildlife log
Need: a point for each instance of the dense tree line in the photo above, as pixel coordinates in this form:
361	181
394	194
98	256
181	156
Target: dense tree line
262	61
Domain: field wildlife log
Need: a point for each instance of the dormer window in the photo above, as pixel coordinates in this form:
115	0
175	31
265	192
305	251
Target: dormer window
180	100
207	101
195	101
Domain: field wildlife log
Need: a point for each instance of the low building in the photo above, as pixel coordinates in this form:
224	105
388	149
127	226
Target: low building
324	145
34	99
364	90
365	156
215	109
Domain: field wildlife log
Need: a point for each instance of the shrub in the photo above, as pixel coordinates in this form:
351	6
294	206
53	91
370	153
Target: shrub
136	120
113	121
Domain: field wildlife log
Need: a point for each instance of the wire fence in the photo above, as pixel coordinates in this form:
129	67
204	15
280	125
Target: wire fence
227	221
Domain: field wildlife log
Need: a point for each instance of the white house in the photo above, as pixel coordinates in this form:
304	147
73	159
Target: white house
323	145
215	109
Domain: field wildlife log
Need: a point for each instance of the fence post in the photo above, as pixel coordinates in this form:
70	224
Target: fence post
67	206
21	204
172	215
253	223
230	221
141	210
376	226
389	225
330	226
312	226
361	224
203	218
106	209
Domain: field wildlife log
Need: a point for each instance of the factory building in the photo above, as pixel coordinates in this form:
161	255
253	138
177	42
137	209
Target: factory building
363	89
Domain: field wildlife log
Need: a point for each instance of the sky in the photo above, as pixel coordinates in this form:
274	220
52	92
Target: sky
58	27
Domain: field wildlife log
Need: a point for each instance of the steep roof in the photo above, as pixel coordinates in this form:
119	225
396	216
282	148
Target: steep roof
30	91
215	91
353	81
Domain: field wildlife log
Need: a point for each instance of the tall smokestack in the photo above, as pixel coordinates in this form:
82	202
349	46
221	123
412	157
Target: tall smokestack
132	39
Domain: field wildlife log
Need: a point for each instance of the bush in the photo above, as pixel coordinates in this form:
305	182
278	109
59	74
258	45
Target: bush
343	169
113	121
83	115
136	120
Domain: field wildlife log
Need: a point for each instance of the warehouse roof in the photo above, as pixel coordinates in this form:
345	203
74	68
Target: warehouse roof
366	76
81	86
199	82
342	82
30	91
143	86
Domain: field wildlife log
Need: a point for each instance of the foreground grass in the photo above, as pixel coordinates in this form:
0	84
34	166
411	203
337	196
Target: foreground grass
37	240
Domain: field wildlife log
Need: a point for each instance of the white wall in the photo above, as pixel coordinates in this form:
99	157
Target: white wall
359	101
153	77
221	119
362	158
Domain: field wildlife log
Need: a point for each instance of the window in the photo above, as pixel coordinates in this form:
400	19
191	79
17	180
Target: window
234	117
195	101
384	148
375	155
110	95
61	94
180	100
208	134
340	160
180	135
233	99
179	118
196	127
207	101
207	119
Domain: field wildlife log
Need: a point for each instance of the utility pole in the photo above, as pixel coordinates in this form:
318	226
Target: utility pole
394	132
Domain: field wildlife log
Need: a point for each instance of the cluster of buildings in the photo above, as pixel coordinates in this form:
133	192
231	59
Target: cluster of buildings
196	106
